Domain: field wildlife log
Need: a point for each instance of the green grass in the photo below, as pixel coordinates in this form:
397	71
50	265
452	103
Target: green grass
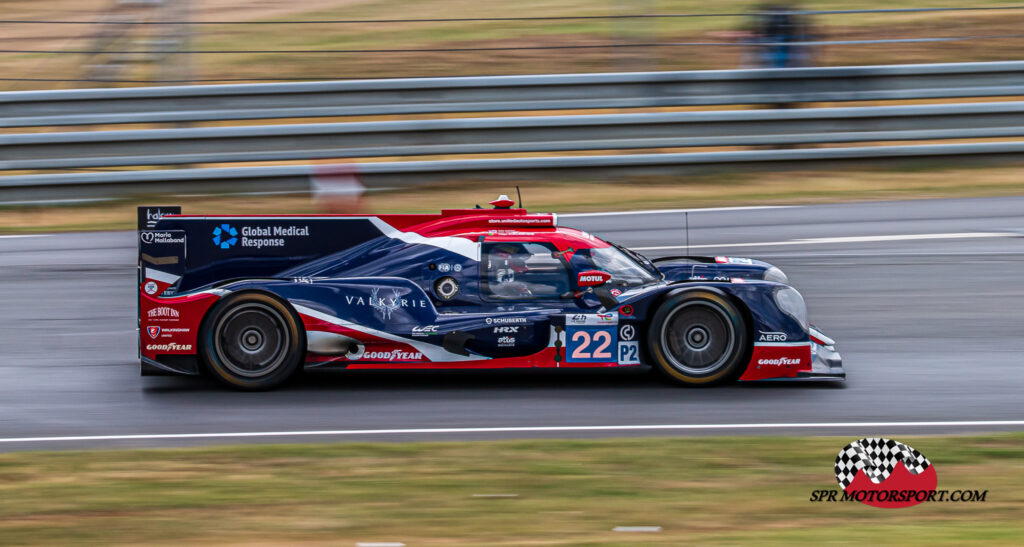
700	491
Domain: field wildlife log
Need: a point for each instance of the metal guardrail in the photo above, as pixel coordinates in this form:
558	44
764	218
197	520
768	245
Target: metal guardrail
508	93
510	135
535	134
384	175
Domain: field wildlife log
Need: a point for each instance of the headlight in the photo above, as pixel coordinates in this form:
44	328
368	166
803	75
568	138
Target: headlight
792	304
776	275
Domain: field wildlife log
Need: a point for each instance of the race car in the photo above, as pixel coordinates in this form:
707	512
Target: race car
252	300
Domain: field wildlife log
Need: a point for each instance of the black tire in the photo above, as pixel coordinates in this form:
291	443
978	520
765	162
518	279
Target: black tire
252	341
698	338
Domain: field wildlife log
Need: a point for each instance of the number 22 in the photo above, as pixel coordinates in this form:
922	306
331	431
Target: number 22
584	337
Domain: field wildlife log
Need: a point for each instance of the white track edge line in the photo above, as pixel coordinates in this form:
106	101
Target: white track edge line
523	429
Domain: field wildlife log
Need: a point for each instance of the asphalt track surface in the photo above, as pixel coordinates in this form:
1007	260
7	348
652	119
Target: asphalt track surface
930	324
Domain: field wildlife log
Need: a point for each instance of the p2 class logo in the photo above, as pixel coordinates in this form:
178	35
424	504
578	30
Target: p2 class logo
884	473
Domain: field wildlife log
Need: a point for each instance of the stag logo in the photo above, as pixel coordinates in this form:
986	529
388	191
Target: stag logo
386	306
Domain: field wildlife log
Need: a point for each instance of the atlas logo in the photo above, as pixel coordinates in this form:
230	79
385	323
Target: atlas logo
224	236
884	473
772	337
153	332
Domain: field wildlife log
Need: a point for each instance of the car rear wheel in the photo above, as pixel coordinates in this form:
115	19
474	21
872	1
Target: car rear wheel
252	341
698	338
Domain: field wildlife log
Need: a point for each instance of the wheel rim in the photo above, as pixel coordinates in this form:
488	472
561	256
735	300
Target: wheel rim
698	338
252	340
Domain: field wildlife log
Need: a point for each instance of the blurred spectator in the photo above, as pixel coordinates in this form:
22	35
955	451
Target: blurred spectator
777	36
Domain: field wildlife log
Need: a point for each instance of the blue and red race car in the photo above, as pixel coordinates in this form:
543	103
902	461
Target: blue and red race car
254	299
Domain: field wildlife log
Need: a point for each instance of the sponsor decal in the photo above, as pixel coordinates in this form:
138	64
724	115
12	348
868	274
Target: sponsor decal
393	355
779	361
506	330
616	292
165	332
738	280
505	320
386	305
520	220
303	280
424	331
889	474
226	236
627	332
626	310
591	279
771	336
162	312
162	237
148	217
169	346
456	267
592	319
506	341
444	267
733	260
150	287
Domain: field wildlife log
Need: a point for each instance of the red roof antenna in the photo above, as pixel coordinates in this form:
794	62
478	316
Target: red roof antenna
503	202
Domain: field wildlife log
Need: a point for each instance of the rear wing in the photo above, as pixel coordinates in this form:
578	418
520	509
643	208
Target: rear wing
178	253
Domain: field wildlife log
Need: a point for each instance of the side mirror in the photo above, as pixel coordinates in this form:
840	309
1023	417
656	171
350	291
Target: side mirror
596	281
592	278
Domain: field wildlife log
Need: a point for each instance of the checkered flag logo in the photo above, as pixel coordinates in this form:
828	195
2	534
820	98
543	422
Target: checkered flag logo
877	457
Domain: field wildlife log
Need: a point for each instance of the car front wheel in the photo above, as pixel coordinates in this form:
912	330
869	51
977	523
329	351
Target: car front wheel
698	338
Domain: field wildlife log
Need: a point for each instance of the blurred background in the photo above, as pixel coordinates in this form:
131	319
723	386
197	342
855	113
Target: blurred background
356	105
89	43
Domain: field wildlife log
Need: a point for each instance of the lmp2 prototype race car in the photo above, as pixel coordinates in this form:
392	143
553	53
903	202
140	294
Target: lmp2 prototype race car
254	299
